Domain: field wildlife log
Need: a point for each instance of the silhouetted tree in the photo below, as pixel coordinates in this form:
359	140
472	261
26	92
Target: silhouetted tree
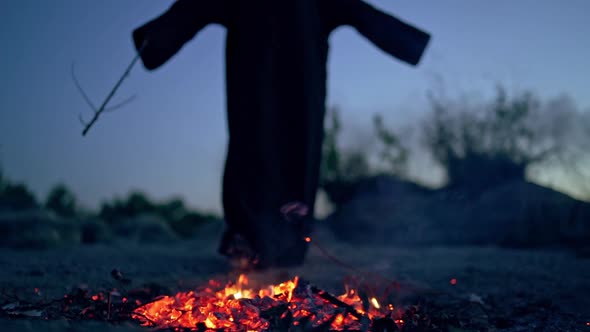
392	154
138	203
61	201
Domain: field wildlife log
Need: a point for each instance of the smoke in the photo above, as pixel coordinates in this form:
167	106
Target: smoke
562	120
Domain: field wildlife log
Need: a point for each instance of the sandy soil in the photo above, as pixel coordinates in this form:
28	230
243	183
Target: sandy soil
515	290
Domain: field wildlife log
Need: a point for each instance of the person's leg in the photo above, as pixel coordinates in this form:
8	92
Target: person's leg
265	208
270	182
276	94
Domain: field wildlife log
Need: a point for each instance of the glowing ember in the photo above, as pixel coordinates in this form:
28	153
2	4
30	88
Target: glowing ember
453	281
375	303
236	307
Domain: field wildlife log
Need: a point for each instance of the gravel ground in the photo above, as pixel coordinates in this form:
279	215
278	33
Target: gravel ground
513	290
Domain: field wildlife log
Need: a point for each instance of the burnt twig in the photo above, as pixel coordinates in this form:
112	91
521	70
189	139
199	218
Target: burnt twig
335	301
146	318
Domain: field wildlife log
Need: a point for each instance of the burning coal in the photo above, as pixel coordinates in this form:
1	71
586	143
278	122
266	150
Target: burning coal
237	307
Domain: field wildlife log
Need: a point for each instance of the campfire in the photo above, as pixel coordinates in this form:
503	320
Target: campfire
241	305
370	302
295	303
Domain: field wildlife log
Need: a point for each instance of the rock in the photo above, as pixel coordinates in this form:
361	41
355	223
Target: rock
145	229
94	231
211	229
323	207
36	229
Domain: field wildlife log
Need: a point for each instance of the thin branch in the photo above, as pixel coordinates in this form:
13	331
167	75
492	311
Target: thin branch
89	102
121	104
80	89
82	120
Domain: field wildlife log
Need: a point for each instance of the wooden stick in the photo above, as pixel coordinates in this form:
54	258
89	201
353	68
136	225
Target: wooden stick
113	90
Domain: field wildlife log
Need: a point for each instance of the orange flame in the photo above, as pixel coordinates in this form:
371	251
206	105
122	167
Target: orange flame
236	307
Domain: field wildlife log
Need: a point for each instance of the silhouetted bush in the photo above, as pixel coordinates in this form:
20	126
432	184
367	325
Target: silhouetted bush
172	210
188	225
340	169
343	168
392	155
182	220
482	146
331	153
16	197
136	204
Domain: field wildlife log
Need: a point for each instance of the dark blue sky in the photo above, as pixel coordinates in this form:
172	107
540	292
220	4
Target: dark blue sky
171	139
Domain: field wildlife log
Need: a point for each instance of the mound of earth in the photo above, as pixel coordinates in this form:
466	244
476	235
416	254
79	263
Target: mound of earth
515	213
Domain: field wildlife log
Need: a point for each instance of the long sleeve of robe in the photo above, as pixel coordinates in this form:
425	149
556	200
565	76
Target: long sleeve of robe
180	23
387	32
166	34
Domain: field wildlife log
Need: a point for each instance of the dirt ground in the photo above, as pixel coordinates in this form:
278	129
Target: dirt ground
509	290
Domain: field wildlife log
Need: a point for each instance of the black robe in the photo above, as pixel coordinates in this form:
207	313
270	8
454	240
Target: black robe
276	54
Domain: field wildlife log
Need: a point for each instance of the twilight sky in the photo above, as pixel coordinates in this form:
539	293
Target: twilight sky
171	140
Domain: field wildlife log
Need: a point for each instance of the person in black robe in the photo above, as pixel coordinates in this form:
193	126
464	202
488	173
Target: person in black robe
276	55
